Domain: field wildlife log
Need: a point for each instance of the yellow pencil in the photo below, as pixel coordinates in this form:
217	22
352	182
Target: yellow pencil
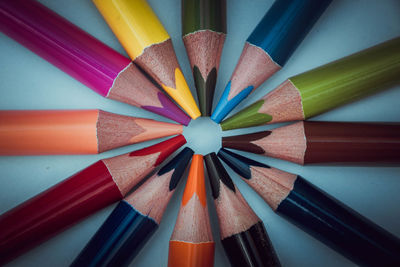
149	46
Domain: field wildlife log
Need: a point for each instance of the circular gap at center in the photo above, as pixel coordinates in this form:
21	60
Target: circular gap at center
203	135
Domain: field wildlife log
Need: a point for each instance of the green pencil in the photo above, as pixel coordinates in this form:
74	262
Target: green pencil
203	33
321	89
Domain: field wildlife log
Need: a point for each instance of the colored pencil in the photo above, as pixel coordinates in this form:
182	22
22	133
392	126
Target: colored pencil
243	234
307	142
44	132
317	213
149	45
135	219
268	47
80	195
324	88
203	33
82	56
191	243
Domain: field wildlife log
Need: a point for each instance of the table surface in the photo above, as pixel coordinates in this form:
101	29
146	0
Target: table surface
29	82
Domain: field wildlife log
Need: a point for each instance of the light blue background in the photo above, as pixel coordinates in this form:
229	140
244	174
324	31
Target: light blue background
29	82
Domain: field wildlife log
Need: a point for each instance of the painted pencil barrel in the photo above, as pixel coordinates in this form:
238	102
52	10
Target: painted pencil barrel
251	248
200	15
203	33
61	43
50	212
351	142
136	28
48	132
285	25
349	78
183	254
119	239
339	227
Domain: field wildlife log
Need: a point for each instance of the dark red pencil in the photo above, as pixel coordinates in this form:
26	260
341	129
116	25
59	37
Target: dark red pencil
307	142
85	192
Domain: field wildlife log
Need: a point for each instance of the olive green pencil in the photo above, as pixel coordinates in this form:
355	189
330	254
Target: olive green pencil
324	88
203	33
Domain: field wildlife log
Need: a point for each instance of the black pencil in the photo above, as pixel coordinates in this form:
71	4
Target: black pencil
243	234
317	213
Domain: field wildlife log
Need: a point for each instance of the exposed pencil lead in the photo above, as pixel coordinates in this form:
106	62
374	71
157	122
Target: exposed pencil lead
217	172
238	163
244	142
178	164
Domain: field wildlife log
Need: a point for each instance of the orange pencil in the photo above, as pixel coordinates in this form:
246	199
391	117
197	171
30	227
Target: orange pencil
191	243
49	132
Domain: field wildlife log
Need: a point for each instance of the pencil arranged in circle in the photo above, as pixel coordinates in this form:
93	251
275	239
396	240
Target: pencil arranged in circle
191	243
78	196
243	234
82	56
44	132
324	88
203	33
135	219
268	47
307	142
149	45
318	213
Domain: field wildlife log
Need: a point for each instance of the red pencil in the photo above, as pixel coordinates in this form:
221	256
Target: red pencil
85	192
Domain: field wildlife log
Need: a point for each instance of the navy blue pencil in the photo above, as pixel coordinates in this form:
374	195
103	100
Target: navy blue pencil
268	48
317	213
135	219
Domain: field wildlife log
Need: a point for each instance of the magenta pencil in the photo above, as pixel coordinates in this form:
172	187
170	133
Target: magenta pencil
82	56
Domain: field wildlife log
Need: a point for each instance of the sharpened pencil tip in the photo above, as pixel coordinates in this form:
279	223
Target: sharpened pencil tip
226	105
217	172
247	117
195	183
205	89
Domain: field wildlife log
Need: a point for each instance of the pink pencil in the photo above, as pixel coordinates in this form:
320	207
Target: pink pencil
83	57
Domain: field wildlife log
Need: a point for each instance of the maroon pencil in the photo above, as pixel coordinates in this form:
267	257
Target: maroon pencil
307	142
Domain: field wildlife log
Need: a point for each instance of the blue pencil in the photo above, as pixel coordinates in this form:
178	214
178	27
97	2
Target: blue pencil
268	48
135	218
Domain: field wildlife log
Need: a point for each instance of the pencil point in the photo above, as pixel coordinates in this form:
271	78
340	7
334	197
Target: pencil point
178	164
247	117
225	105
165	148
205	89
238	163
182	95
217	172
195	182
169	110
245	142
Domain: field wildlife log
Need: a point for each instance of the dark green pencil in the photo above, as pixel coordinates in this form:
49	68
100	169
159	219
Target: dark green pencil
203	33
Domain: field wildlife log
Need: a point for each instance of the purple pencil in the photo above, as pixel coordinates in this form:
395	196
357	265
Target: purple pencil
82	56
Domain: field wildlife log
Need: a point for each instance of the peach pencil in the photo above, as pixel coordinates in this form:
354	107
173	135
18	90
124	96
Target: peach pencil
50	132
